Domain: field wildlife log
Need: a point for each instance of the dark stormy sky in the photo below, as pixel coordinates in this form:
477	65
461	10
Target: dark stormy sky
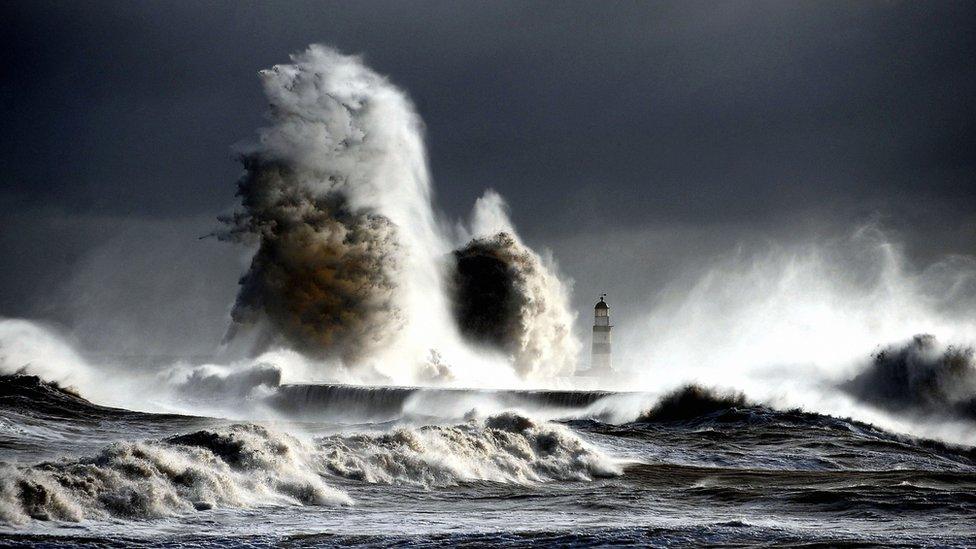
631	138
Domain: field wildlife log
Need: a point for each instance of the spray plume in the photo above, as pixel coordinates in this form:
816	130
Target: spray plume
506	298
789	324
352	262
921	377
785	309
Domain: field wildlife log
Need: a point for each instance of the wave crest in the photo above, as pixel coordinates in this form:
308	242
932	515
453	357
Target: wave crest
239	466
247	465
506	448
692	402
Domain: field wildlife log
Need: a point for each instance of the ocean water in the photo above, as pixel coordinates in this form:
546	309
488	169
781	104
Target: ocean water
432	468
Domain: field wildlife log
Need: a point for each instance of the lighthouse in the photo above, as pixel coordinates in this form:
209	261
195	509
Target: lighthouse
601	360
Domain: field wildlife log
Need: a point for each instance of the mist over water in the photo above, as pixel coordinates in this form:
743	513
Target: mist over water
789	323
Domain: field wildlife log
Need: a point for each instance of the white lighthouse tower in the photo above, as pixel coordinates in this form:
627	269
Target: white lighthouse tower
601	361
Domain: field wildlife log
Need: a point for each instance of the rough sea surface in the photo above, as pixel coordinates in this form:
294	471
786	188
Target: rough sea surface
394	466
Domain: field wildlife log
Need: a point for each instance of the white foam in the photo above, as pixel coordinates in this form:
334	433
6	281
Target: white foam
507	448
240	466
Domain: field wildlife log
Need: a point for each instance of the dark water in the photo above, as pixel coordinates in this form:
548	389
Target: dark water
397	468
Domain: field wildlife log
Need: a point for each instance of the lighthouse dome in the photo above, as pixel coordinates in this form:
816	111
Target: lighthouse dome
601	304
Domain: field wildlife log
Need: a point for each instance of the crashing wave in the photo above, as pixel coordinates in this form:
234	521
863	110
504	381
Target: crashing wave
248	465
920	377
506	297
692	402
239	466
507	448
337	197
22	392
210	381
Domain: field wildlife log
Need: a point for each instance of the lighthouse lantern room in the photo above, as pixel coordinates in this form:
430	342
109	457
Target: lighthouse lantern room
601	360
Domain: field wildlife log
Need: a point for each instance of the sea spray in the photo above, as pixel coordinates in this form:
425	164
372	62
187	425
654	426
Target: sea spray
787	323
921	377
352	261
37	349
337	195
507	297
504	297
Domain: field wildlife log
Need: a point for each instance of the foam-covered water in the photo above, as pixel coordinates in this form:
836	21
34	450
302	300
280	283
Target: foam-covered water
240	466
506	448
697	467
